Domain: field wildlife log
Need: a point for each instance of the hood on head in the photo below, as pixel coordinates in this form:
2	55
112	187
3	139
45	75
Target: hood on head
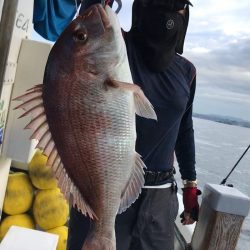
168	6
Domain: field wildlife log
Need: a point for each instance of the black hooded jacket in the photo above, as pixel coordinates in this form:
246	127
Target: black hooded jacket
171	92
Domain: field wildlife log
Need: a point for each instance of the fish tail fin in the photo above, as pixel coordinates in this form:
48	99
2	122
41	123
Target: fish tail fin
97	242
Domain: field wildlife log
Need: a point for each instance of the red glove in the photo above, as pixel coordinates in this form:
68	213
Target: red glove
191	205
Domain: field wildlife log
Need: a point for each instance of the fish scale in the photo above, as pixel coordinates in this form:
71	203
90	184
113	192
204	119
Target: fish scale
89	102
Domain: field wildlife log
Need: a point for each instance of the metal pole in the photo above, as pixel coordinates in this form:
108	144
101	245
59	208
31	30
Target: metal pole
6	29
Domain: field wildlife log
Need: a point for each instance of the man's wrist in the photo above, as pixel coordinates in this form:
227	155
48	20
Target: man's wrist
189	183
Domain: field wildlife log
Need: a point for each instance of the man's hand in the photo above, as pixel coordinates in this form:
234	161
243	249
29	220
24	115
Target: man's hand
191	205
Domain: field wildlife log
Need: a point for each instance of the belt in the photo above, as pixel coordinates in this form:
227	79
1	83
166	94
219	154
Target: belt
155	178
166	185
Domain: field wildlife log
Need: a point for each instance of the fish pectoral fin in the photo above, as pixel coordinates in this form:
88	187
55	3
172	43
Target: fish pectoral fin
143	107
134	184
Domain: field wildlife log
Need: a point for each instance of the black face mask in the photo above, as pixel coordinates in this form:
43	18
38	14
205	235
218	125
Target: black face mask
159	32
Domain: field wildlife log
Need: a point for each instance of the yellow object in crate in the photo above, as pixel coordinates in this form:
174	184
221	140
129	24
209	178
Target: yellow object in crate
50	209
22	220
41	175
19	194
63	236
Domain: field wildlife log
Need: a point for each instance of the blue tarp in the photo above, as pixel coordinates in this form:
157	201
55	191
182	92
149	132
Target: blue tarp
51	17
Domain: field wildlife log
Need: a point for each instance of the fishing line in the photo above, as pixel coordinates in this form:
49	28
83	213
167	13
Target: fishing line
119	3
78	7
103	2
224	180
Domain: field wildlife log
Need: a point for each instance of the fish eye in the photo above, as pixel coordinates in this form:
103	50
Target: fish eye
81	36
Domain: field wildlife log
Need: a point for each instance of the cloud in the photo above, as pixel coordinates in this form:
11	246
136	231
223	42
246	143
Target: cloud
227	16
227	67
199	50
125	14
218	42
224	95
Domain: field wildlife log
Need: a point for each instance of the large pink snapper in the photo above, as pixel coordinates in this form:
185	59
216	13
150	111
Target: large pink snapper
84	118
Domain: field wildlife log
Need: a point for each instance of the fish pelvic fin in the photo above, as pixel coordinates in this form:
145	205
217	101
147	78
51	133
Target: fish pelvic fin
143	107
134	184
33	106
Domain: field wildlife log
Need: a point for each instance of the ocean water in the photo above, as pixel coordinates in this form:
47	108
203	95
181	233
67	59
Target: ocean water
218	147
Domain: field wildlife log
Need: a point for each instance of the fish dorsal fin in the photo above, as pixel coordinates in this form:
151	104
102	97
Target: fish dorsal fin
33	105
143	107
134	184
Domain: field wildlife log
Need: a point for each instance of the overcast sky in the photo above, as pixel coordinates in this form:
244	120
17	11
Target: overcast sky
218	43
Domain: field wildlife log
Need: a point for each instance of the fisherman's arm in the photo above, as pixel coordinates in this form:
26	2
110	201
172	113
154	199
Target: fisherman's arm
185	153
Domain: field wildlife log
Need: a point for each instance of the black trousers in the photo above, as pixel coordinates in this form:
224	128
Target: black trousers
147	225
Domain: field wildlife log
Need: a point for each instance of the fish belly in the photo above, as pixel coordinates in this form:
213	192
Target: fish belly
94	132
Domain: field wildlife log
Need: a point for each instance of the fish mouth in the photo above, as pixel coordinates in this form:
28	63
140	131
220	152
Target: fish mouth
104	15
99	12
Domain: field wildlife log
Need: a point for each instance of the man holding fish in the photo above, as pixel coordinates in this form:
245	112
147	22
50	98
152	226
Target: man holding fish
168	80
153	45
